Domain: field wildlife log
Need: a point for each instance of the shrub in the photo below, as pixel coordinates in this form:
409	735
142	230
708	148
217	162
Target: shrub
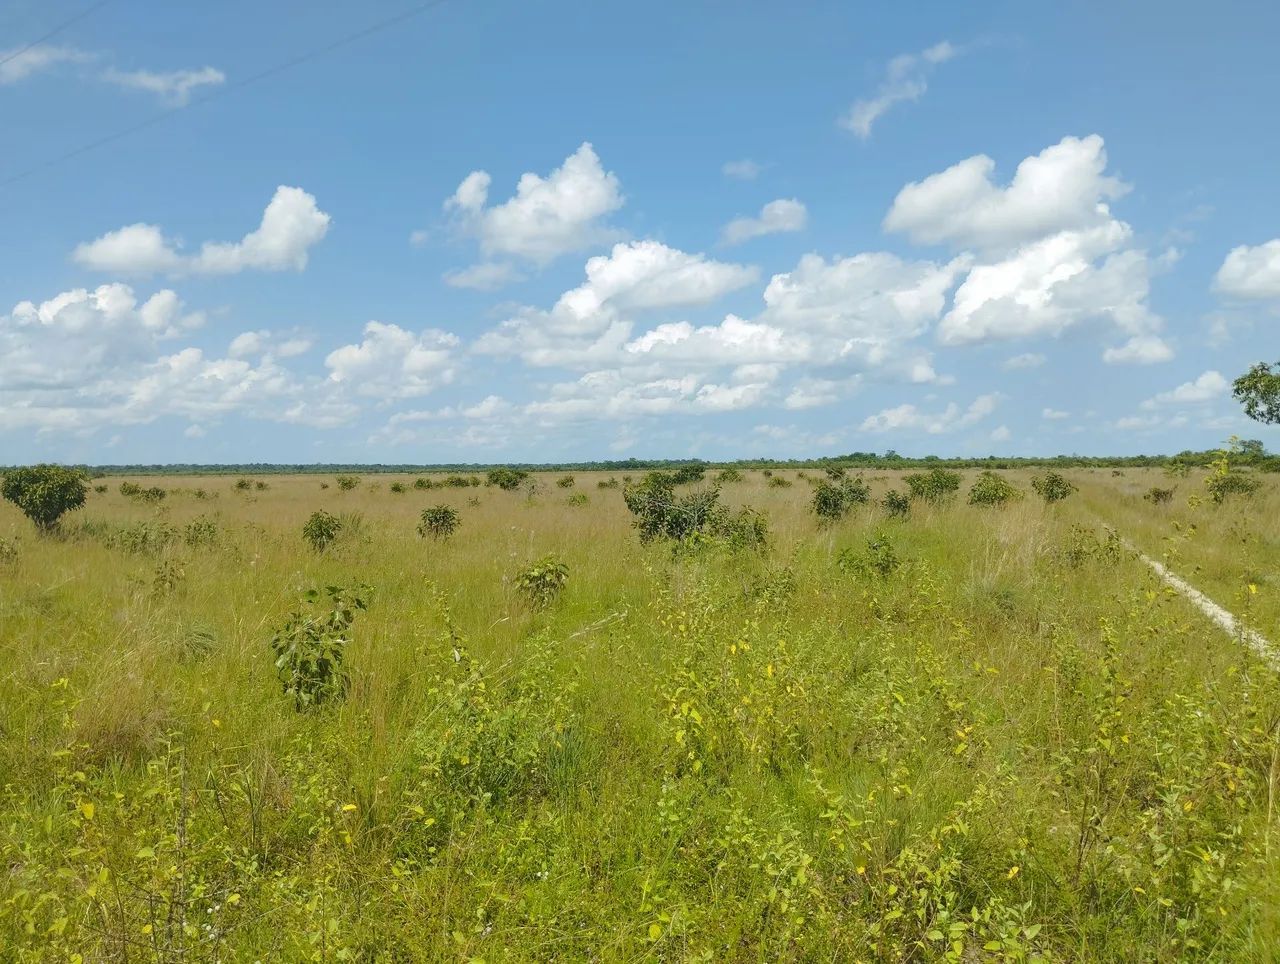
152	496
507	479
896	504
686	474
778	482
936	485
309	649
324	485
609	483
44	493
833	500
423	484
1230	483
243	485
202	531
142	538
1052	487
1158	496
729	475
347	482
8	551
542	582
321	530
690	519
397	487
129	489
578	499
100	488
261	486
835	472
992	489
565	482
461	481
439	522
878	559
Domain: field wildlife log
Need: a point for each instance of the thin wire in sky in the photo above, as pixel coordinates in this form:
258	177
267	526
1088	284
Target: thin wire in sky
55	31
220	92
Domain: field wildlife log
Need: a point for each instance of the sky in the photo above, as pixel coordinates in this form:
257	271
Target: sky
488	231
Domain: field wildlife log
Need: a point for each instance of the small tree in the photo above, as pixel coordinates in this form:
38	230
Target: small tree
936	485
896	504
309	649
45	492
1052	487
833	500
1258	390
439	522
507	479
347	482
992	489
321	530
566	482
542	582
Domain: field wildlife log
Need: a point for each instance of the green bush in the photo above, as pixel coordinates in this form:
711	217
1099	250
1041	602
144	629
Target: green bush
896	504
397	487
242	485
309	649
878	559
778	481
936	485
45	493
507	479
687	474
100	488
347	482
992	489
1230	483
1158	496
439	522
577	499
728	476
1052	487
321	529
423	483
833	500
610	483
566	482
201	531
690	520
542	582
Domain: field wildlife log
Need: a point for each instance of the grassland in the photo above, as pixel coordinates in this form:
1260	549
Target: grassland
990	735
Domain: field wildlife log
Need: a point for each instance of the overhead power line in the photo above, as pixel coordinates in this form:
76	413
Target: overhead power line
231	88
55	31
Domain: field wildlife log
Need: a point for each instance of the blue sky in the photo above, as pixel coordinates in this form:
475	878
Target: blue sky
508	231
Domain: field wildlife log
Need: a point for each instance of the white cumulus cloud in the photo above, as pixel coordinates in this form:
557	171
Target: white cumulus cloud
905	80
1251	272
776	217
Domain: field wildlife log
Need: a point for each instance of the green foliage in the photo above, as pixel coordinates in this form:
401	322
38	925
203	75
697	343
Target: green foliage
1052	487
321	529
398	488
577	499
690	473
879	559
142	538
1158	496
935	486
1258	390
1225	480
993	490
778	481
461	481
201	532
693	519
309	649
565	482
730	475
100	488
44	493
439	522
347	482
833	500
609	483
541	582
242	485
422	484
896	504
507	479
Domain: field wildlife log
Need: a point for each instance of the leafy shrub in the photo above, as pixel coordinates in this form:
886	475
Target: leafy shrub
100	488
578	499
44	493
833	500
1226	484
936	485
835	472
541	582
168	576
729	475
565	482
461	481
1158	496
992	489
130	489
151	496
201	531
439	522
692	519
397	487
423	483
142	538
1052	487
609	483
244	485
896	504
309	649
687	474
8	551
507	479
347	482
778	482
878	559
321	529
261	486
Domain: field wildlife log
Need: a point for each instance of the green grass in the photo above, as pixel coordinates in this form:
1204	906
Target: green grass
1016	746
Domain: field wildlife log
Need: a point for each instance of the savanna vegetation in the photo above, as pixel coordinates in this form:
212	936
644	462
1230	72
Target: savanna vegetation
880	713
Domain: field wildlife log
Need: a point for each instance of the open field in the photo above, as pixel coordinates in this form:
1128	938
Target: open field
973	733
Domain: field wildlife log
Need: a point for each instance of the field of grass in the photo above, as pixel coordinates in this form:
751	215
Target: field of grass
971	734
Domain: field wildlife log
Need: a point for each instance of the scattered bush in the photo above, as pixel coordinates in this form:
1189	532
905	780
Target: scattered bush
321	529
423	483
542	582
578	499
728	476
609	483
1053	487
896	504
778	482
565	482
687	474
309	649
992	489
168	576
397	487
142	538
45	493
461	481
100	488
692	519
347	482
1158	496
833	500
130	489
879	559
936	485
835	472
1226	484
201	531
507	479
439	522
152	496
243	485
